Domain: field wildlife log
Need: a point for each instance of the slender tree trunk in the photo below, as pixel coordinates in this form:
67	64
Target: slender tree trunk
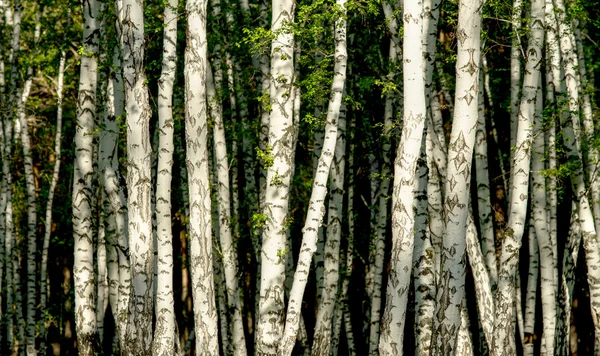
205	313
141	241
519	186
322	338
230	265
548	284
83	268
515	73
271	305
44	286
165	334
316	209
457	186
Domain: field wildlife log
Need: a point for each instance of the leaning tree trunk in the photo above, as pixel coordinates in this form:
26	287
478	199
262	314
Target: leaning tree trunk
165	335
316	208
83	266
230	258
451	291
203	289
504	333
393	319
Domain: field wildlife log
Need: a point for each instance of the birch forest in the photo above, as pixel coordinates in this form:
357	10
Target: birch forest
300	177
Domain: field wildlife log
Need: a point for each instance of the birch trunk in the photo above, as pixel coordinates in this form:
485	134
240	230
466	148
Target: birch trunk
271	305
548	260
484	207
9	235
423	259
392	323
527	334
31	199
83	267
316	208
205	313
322	337
165	334
450	292
519	186
114	205
224	212
44	286
515	73
141	242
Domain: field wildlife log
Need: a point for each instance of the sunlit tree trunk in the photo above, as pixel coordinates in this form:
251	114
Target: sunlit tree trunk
271	305
141	242
548	260
519	181
230	265
515	73
83	268
393	319
316	208
44	285
323	327
164	334
450	291
205	313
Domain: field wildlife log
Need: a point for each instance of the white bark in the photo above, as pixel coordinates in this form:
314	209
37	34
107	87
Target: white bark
44	286
450	291
83	267
271	314
316	208
322	337
114	204
548	260
392	323
484	204
205	313
141	242
423	259
519	186
165	334
225	234
530	293
515	73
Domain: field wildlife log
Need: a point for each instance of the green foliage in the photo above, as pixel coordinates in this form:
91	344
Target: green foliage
266	157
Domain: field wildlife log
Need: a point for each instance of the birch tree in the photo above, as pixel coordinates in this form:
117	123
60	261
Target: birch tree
270	314
196	128
316	209
392	323
503	328
164	334
450	292
83	268
137	110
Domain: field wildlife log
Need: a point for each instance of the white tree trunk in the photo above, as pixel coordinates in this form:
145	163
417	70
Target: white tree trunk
450	292
271	305
83	267
392	323
322	337
316	208
205	313
44	286
165	334
548	260
139	179
519	186
224	211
